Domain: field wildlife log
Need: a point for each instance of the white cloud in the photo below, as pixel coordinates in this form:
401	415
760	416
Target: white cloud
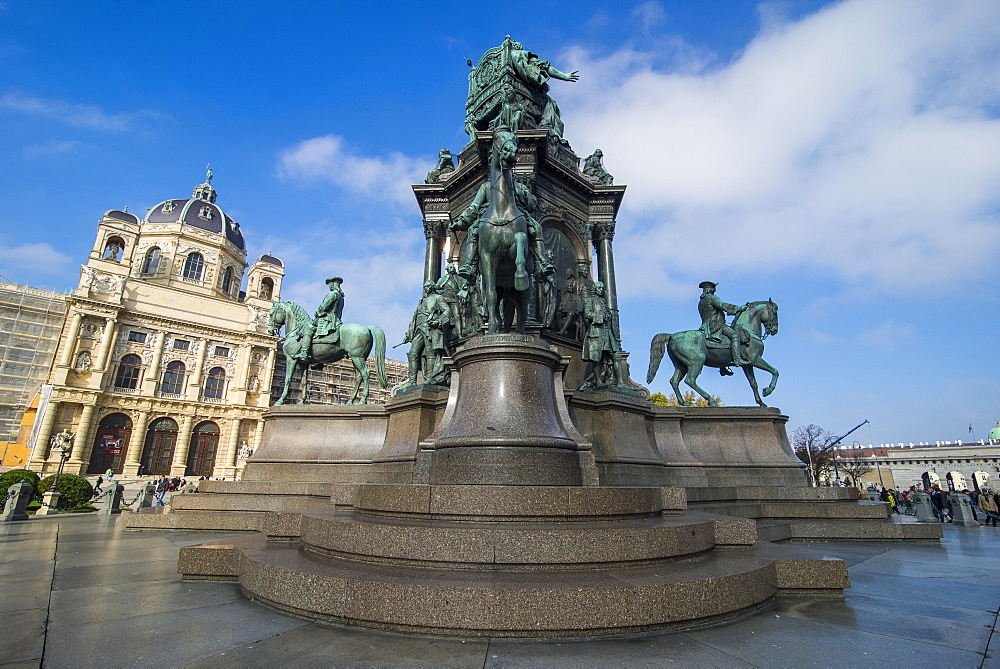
33	259
50	147
327	159
859	141
91	117
886	336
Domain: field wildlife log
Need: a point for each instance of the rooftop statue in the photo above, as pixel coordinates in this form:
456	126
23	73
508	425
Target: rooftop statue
510	68
717	343
593	166
327	340
445	164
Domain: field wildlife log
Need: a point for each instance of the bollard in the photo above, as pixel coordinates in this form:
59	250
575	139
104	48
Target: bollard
145	499
18	496
113	505
961	510
50	501
922	502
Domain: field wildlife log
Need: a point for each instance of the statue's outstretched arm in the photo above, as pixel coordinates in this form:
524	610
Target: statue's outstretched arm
556	74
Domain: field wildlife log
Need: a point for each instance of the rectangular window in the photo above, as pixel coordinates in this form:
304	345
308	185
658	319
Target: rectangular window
138	337
181	344
222	351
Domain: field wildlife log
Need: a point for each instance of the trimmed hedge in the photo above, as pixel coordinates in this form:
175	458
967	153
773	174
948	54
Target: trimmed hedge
74	490
14	476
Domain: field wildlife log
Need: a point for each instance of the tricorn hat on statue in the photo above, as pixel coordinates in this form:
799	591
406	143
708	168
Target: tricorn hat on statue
334	279
707	284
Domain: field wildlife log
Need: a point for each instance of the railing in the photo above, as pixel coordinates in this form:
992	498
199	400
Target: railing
213	400
124	391
171	396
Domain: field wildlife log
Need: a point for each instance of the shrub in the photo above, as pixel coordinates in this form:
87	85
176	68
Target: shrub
7	479
74	490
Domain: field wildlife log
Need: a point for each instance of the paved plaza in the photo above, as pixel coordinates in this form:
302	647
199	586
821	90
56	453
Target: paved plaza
81	591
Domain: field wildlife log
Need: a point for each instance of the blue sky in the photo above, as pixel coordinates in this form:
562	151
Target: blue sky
840	158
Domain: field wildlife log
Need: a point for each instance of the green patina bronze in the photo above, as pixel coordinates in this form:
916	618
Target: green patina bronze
509	72
601	347
445	165
426	334
351	340
593	167
717	344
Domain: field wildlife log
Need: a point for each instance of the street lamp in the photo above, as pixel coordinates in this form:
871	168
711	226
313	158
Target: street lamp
875	460
50	500
60	443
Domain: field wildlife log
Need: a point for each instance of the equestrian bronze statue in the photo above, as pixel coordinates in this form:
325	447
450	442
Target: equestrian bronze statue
692	350
351	340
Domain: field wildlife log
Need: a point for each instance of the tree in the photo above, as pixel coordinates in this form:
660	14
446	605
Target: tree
854	466
661	400
814	446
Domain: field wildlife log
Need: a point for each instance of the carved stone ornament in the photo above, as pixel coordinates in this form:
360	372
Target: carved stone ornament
604	231
432	229
168	207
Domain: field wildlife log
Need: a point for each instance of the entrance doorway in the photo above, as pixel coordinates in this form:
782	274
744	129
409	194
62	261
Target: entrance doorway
110	444
204	446
158	453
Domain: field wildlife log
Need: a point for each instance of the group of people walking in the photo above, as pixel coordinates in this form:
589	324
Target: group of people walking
985	504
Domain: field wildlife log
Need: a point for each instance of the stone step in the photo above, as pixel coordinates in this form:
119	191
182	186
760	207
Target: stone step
770	494
238	502
773	530
521	502
165	518
861	510
545	602
871	530
472	544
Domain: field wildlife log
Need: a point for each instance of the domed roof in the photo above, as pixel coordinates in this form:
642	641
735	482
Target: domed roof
271	260
199	211
122	216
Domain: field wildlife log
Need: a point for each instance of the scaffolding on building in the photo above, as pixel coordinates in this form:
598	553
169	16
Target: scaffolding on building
31	321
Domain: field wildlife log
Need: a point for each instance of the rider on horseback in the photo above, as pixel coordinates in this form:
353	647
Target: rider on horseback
713	313
509	120
328	315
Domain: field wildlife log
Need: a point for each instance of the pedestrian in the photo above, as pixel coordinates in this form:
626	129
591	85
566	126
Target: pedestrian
937	503
161	490
988	504
108	475
97	485
891	495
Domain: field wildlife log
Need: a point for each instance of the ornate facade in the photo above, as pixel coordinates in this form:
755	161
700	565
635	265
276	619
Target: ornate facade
164	366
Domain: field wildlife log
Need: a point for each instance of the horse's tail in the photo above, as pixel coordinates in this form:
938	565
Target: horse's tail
378	336
656	350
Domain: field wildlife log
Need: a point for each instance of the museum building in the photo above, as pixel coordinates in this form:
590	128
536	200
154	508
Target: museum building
164	366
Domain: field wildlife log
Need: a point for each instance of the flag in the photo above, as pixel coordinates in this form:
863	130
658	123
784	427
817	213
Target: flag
970	427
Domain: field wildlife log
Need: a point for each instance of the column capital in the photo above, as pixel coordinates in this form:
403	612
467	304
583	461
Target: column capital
604	230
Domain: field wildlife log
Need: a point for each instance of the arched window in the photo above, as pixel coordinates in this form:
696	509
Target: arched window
173	378
127	375
151	263
215	384
194	266
266	288
227	281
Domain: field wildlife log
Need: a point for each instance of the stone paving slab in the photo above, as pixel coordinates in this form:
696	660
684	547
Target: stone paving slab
117	600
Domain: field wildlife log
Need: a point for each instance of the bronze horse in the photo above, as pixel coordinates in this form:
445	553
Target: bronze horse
504	258
355	342
689	351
